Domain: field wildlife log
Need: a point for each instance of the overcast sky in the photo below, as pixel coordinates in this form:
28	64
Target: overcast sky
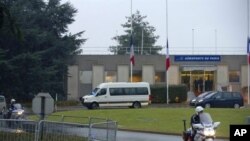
194	26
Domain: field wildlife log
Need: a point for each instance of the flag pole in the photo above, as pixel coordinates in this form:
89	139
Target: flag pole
248	51
131	63
167	97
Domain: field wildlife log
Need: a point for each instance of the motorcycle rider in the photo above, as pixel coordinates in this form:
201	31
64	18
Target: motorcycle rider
12	107
195	119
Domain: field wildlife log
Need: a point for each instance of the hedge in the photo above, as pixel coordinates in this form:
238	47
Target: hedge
177	93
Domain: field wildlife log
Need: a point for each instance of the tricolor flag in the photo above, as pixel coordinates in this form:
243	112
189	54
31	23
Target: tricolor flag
132	55
167	58
248	50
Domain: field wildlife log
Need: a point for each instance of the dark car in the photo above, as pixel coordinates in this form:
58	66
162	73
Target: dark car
221	99
199	97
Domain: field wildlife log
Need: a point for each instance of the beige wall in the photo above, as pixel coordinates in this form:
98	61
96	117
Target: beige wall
173	74
72	84
98	75
222	76
122	73
148	74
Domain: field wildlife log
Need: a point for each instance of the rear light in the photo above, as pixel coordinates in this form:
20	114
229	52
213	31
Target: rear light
149	99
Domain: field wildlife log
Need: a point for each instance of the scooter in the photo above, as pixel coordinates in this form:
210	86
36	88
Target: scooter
205	130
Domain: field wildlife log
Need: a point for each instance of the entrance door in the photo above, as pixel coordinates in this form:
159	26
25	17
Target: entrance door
198	81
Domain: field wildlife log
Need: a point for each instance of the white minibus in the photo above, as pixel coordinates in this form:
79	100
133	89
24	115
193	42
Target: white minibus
118	94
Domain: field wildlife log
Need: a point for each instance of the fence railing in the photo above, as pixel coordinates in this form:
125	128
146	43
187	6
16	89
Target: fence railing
104	131
29	130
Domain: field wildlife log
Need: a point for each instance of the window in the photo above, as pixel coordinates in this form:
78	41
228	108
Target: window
141	91
85	77
234	76
137	76
128	91
102	92
110	76
160	77
1	99
116	91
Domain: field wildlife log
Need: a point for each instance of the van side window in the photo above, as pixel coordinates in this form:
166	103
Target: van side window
236	95
142	91
227	95
115	91
1	99
129	91
218	96
102	92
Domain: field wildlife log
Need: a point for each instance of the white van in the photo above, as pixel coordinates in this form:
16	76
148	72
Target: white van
2	104
118	94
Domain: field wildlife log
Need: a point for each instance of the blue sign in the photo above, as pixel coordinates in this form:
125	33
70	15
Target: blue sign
201	58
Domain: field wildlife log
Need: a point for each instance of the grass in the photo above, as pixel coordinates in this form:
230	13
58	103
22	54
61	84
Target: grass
162	120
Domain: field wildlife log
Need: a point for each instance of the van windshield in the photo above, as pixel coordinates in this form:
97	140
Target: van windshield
94	91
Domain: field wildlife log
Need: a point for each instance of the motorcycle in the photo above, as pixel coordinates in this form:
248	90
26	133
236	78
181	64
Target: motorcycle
17	112
205	130
14	115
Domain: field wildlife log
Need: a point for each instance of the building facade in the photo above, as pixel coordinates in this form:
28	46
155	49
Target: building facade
199	72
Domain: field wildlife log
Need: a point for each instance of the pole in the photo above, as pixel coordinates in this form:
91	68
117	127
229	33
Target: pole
142	41
167	97
215	40
192	41
248	89
131	65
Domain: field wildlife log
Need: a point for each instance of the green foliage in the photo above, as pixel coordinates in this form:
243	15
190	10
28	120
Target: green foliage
139	26
177	93
67	103
38	62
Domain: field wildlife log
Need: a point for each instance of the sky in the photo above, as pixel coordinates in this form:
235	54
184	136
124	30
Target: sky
191	26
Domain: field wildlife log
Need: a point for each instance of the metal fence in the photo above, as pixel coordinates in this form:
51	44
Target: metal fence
105	131
29	130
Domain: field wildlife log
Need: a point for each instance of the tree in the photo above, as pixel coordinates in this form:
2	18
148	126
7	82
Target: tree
140	28
39	61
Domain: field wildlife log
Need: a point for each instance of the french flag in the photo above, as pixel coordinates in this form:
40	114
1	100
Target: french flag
248	50
132	55
167	58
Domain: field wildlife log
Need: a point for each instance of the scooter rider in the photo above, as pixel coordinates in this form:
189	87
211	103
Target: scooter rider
195	119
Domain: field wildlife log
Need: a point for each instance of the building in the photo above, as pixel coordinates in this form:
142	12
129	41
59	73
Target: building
199	72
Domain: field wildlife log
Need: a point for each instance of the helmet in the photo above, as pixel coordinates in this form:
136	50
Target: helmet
198	109
12	100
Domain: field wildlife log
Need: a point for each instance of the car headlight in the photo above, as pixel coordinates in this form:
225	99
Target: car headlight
209	132
193	100
200	100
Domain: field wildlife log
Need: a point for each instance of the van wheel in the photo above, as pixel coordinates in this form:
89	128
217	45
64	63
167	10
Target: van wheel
236	106
207	105
94	105
136	105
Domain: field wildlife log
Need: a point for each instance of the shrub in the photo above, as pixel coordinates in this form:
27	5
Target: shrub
177	93
67	103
